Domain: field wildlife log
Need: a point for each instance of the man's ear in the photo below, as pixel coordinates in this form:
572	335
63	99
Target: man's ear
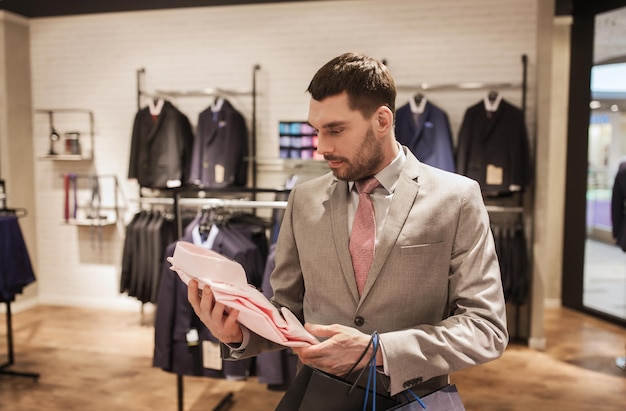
383	119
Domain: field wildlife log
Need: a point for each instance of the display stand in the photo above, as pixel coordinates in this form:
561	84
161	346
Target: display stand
212	92
198	199
4	368
165	196
203	199
11	356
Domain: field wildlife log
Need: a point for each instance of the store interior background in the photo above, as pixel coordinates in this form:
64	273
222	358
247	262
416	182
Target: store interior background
90	61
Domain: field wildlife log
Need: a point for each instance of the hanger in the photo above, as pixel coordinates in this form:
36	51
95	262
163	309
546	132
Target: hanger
418	103
155	106
212	216
492	100
217	104
13	212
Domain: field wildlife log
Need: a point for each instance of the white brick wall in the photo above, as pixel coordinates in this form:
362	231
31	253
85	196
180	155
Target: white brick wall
90	62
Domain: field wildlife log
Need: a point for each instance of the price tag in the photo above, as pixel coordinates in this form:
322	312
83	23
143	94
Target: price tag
494	175
211	355
219	173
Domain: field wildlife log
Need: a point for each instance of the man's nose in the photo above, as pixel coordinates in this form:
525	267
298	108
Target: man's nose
323	145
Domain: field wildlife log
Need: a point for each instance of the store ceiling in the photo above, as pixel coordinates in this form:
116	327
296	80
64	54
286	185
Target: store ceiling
49	8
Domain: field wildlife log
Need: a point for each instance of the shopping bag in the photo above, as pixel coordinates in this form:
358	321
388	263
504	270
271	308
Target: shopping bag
444	399
315	390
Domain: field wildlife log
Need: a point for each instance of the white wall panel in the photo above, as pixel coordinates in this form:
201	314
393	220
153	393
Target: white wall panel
90	62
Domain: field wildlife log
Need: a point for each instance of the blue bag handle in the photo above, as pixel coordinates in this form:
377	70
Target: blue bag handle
371	377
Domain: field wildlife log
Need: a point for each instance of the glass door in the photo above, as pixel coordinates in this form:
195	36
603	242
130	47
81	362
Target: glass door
604	277
604	287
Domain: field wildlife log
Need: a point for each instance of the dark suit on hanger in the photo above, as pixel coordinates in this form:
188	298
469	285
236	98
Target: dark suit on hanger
147	236
493	148
161	148
16	271
427	135
618	199
220	148
174	318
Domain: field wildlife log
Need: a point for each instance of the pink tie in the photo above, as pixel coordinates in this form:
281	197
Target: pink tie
363	232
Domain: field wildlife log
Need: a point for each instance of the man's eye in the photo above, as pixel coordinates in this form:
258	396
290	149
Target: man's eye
335	130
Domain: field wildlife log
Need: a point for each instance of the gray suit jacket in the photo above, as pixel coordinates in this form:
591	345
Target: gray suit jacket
434	291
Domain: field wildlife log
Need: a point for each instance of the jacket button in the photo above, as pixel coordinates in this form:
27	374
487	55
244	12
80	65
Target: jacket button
359	321
413	382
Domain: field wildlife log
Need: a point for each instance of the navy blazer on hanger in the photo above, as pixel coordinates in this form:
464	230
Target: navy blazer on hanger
220	148
427	135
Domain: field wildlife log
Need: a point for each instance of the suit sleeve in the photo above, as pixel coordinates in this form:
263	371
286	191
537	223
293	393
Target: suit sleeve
463	144
186	147
241	131
135	147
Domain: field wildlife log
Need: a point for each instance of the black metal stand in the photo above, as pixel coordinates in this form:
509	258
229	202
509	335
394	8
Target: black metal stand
11	360
223	405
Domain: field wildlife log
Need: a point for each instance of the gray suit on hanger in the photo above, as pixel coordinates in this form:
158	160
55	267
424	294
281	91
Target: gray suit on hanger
434	291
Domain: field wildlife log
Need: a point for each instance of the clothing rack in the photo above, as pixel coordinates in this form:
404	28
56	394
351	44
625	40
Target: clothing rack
18	212
203	199
504	209
519	197
470	86
211	92
227	197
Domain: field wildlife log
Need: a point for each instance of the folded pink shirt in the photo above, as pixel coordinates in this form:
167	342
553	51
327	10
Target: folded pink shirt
230	287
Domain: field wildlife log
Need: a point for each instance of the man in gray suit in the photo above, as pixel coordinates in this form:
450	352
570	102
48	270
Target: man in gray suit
433	291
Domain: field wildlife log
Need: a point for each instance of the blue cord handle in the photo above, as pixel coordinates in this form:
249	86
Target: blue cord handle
371	375
418	399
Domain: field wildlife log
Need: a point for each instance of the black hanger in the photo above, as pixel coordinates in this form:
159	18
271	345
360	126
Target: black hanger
13	212
492	96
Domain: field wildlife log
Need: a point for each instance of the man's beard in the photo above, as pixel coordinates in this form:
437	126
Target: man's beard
365	164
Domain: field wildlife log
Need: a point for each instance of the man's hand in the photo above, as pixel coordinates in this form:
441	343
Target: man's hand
340	348
222	322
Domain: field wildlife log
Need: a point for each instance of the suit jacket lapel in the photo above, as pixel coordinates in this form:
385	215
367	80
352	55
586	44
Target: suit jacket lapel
338	198
401	204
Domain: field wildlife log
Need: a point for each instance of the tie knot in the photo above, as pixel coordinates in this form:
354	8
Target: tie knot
366	185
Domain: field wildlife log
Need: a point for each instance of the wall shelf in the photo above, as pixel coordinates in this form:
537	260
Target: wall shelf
71	145
90	222
92	203
66	157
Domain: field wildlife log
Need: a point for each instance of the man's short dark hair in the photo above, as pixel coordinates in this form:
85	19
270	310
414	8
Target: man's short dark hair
367	82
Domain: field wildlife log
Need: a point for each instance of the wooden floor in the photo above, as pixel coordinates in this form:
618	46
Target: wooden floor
99	360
